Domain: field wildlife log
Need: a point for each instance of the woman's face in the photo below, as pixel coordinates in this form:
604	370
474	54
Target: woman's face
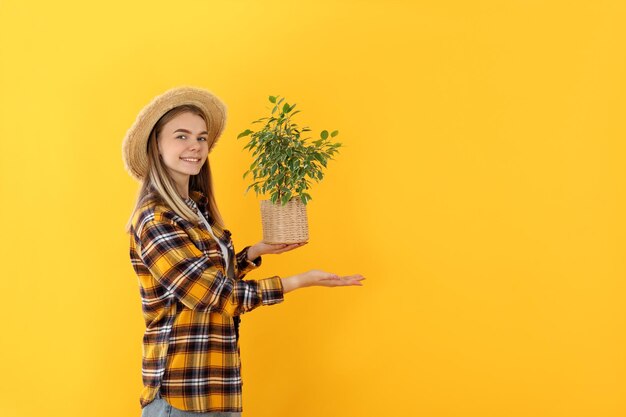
183	146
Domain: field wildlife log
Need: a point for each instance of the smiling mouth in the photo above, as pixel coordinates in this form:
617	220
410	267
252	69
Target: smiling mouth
194	160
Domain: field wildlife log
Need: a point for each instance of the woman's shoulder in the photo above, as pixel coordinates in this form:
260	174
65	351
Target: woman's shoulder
152	209
151	203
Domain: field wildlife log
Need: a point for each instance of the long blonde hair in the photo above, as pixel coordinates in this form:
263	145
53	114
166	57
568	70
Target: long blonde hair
159	183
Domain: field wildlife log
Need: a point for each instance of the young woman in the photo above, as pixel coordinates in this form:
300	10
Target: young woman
190	277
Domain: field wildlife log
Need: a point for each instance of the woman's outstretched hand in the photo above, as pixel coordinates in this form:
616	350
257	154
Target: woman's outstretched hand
262	248
315	277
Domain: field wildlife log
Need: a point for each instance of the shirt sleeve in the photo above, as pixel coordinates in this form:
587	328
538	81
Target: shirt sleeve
243	265
190	275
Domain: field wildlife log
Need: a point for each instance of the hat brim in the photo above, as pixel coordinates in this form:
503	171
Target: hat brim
134	146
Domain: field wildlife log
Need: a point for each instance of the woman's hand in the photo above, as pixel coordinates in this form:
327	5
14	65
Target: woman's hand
315	277
263	248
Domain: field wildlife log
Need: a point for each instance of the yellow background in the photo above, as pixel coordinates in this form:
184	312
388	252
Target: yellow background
480	190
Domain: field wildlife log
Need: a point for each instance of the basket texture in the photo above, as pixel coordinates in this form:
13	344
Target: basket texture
284	224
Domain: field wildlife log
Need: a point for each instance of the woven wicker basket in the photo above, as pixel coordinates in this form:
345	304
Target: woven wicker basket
284	224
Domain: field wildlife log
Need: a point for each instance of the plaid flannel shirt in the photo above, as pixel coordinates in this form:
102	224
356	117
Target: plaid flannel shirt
191	308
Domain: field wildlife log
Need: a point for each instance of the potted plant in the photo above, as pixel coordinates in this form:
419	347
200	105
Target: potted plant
284	161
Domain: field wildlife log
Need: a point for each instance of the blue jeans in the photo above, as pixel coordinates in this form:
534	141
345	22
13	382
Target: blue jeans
161	408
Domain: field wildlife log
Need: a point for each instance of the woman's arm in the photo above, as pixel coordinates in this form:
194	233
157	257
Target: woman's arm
193	278
291	283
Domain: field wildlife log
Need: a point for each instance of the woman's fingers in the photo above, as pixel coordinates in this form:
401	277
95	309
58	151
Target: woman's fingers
284	247
356	279
336	280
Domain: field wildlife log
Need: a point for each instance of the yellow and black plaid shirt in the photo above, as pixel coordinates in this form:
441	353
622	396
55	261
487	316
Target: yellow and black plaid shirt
191	307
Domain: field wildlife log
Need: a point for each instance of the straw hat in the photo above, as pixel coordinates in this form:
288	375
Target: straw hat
134	147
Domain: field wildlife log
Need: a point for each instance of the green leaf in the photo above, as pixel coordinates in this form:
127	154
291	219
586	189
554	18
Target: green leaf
319	158
286	197
273	99
324	134
305	198
335	133
286	108
244	133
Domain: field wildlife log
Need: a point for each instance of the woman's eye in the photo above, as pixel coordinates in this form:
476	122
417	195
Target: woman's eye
182	136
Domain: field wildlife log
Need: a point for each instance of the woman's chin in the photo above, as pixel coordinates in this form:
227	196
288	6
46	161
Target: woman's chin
191	170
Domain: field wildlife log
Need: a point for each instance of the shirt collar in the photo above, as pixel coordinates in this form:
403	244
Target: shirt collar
200	199
197	199
190	203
